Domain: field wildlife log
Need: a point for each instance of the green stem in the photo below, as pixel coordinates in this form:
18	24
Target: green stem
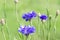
8	31
30	22
48	24
55	28
43	30
55	24
49	27
5	16
16	14
3	33
38	29
26	37
48	35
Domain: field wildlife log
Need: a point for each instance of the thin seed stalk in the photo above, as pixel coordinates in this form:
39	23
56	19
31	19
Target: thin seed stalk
3	34
8	31
55	24
16	13
5	16
55	28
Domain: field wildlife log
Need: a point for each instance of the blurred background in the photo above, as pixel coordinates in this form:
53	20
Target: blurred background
23	6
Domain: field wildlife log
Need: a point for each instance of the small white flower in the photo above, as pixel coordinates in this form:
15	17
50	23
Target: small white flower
39	14
44	21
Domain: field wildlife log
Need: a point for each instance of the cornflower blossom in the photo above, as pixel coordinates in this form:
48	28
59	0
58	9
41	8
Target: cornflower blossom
43	17
28	16
26	30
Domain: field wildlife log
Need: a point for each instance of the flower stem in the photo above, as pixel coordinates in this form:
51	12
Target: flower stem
38	28
26	37
30	22
43	30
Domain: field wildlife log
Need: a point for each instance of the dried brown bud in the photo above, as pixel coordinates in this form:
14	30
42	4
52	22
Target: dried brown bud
57	13
16	1
2	21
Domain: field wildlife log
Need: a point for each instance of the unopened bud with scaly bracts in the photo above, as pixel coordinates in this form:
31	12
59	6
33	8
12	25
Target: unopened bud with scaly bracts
2	21
50	17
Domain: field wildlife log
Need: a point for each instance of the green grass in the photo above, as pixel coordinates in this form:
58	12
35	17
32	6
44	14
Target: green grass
26	6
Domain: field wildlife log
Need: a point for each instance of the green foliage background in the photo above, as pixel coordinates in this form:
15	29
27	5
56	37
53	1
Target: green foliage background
24	6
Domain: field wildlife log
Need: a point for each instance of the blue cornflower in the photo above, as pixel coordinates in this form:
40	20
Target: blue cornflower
43	17
26	30
28	16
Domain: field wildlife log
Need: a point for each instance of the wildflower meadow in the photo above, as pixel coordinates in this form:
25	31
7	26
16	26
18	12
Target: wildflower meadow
29	19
